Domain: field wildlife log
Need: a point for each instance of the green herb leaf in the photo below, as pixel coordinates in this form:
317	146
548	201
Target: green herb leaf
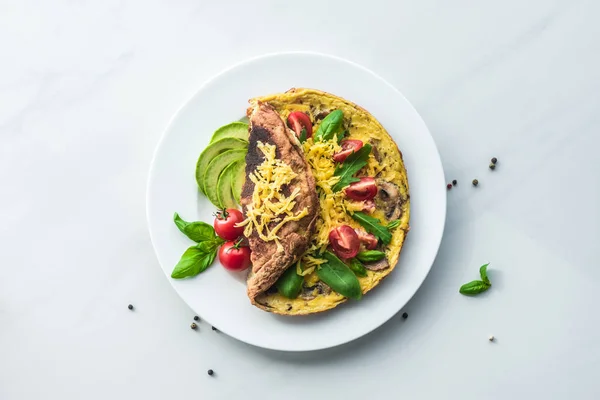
357	267
339	277
342	135
290	283
474	287
197	231
302	137
483	274
353	163
394	224
330	125
372	225
370	256
195	260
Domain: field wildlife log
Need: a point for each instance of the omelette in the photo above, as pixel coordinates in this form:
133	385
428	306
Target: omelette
294	215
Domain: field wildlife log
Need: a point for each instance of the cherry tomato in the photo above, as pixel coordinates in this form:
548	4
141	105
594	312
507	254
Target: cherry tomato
344	241
368	239
365	189
349	146
225	221
234	257
297	120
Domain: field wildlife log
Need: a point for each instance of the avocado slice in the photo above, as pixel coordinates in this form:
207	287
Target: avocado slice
213	150
215	169
224	193
238	176
237	130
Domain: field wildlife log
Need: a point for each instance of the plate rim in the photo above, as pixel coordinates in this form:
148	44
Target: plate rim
239	64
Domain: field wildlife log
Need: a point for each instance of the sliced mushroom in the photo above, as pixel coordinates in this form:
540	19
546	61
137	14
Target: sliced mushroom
374	144
378	265
389	198
310	292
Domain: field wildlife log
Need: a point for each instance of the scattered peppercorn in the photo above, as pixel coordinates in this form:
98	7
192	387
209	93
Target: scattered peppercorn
454	182
449	186
214	329
475	182
492	166
494	160
193	325
130	307
405	315
491	338
196	318
211	372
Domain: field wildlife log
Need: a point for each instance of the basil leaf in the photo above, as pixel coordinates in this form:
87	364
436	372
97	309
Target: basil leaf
302	137
483	274
197	231
394	224
370	255
290	283
357	267
474	287
195	260
353	163
339	277
330	125
372	225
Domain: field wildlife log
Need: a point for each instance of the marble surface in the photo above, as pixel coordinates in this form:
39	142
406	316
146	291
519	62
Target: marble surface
86	89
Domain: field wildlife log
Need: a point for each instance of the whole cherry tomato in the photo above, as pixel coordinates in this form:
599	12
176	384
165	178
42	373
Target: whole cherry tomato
225	221
234	257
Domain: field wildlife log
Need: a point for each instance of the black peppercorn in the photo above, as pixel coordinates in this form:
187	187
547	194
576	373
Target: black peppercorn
454	182
130	307
494	160
405	315
196	318
211	372
475	182
214	329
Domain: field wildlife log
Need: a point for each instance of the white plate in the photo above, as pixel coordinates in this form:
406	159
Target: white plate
220	297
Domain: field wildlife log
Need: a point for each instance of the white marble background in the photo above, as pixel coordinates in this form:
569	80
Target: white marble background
86	89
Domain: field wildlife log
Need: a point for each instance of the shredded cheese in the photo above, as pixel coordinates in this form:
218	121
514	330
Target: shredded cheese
269	205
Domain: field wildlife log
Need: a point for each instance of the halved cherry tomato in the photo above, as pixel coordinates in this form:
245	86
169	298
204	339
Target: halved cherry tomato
225	221
344	241
297	120
365	189
234	257
368	239
349	146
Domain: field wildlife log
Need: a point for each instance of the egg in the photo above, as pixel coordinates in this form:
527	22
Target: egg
385	164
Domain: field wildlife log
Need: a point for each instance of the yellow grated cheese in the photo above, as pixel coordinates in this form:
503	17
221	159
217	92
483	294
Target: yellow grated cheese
269	204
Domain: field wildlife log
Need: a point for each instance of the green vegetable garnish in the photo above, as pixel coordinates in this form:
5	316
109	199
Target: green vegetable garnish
197	258
339	277
290	283
370	256
350	166
372	225
357	267
330	125
478	286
